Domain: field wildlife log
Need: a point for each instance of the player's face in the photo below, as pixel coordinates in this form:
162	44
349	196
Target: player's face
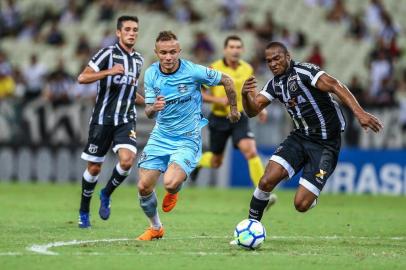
277	60
128	33
233	50
168	54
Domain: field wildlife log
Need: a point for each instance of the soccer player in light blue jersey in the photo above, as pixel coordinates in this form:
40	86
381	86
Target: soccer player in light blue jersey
173	97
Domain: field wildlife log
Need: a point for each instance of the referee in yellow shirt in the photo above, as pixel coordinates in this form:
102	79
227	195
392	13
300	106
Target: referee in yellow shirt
220	128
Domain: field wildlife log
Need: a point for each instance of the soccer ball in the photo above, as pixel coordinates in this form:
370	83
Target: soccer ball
249	233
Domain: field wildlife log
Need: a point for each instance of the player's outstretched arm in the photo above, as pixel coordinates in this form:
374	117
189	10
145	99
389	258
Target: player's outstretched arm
139	100
152	109
252	102
228	84
89	75
328	83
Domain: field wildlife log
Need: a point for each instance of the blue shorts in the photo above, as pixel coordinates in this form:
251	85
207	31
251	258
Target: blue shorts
162	150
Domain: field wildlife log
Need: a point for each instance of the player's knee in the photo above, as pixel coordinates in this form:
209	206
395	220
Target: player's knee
266	184
171	186
216	162
251	153
144	189
126	164
94	168
302	205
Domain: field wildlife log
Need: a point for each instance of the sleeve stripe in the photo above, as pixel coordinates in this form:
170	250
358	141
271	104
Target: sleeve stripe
305	72
316	77
94	66
104	55
267	95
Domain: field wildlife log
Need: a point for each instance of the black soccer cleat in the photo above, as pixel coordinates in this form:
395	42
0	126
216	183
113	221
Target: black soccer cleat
194	174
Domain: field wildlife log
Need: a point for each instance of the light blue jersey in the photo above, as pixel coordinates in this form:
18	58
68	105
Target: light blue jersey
181	89
176	136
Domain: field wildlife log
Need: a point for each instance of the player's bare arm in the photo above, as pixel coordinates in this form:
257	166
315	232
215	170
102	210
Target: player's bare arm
253	102
328	83
139	100
89	75
152	109
228	84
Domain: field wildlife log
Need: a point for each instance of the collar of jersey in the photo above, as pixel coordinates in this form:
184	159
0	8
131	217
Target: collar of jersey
170	73
123	50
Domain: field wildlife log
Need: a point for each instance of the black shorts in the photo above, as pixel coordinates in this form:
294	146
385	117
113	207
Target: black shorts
221	128
317	158
101	137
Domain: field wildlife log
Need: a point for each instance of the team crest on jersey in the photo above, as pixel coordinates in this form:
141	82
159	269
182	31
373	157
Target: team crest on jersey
182	88
211	73
292	85
157	91
92	149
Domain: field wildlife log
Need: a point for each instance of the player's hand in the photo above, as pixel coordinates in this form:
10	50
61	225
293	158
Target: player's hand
250	85
159	104
370	121
117	69
263	116
234	115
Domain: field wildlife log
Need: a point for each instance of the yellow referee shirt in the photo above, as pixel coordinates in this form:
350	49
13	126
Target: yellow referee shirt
239	76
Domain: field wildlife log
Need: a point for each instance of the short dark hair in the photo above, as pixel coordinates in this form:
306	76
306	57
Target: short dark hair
125	18
277	44
165	36
232	37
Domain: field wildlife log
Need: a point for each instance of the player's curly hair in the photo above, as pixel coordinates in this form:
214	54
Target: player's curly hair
165	36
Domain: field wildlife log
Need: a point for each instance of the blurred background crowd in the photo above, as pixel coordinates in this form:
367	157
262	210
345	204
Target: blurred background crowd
44	44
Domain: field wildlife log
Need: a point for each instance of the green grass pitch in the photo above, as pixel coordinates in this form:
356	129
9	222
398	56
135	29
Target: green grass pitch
342	232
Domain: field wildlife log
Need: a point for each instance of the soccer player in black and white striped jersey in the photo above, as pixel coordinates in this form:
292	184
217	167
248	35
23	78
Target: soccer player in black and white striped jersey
315	142
116	69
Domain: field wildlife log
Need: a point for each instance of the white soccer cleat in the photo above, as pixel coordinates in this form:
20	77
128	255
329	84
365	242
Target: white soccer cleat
233	242
272	200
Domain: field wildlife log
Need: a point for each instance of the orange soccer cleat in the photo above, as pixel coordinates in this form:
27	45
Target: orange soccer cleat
151	234
169	201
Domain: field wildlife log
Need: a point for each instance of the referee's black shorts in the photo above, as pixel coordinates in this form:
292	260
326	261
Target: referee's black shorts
318	159
221	129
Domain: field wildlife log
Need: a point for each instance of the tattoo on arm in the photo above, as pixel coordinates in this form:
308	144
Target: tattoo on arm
228	84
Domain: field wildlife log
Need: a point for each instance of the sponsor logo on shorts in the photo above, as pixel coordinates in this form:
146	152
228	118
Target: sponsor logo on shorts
92	149
278	149
143	156
188	163
320	176
133	135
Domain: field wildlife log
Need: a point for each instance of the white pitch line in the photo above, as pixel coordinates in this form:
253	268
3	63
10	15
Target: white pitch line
44	249
10	253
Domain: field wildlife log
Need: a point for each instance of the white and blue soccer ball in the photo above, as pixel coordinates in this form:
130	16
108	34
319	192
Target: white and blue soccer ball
249	233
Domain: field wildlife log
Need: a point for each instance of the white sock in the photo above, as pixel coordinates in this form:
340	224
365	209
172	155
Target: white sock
261	195
155	222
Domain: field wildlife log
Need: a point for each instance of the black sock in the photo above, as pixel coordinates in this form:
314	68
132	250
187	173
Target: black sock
87	191
257	208
115	180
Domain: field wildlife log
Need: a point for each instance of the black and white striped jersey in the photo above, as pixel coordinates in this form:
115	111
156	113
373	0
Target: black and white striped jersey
115	102
314	113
